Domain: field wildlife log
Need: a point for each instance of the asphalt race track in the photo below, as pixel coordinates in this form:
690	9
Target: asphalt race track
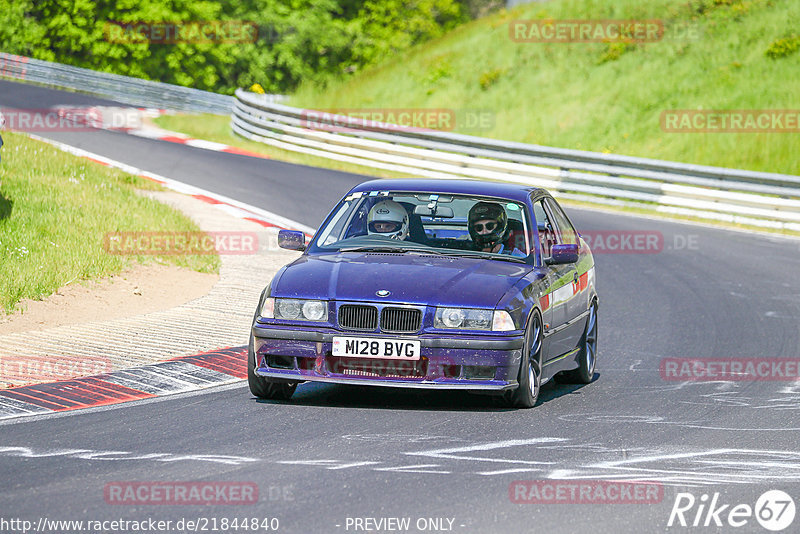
446	461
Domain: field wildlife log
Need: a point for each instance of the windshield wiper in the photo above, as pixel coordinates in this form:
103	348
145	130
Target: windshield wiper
436	251
376	249
476	254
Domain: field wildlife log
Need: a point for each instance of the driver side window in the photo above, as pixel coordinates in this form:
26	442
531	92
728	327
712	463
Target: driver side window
565	232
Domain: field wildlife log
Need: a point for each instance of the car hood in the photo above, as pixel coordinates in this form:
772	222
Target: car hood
410	278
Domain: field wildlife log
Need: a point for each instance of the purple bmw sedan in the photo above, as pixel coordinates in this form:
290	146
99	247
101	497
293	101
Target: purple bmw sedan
440	284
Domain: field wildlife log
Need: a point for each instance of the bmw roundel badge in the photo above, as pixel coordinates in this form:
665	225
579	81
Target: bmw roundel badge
383	292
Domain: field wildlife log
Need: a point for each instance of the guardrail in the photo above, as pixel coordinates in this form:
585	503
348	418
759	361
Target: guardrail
733	195
124	89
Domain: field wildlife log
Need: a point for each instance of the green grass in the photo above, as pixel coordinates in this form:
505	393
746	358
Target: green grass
604	97
55	210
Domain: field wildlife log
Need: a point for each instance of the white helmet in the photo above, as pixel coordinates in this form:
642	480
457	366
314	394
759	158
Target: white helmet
389	219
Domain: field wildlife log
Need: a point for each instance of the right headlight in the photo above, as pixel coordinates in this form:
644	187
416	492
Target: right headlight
298	309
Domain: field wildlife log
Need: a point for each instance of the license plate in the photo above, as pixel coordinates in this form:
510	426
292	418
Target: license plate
364	347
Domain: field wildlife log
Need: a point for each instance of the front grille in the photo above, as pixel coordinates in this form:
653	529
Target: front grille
400	320
369	367
358	317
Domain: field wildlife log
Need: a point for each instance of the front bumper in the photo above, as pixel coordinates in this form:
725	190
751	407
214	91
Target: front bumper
469	362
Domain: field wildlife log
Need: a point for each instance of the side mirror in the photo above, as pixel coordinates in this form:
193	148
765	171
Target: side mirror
561	254
291	240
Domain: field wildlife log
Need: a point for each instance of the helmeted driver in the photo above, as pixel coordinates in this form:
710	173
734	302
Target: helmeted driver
488	223
389	219
487	226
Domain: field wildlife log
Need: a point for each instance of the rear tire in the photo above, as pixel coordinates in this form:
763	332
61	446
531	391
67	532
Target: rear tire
265	388
587	357
530	367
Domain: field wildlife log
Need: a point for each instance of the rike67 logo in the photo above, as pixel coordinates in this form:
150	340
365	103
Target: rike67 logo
774	510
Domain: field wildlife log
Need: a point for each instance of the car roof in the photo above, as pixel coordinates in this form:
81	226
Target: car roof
518	192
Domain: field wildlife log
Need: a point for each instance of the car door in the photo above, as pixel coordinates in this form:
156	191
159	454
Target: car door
559	283
573	305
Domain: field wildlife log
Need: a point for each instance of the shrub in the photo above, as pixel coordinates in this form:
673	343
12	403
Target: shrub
783	47
488	78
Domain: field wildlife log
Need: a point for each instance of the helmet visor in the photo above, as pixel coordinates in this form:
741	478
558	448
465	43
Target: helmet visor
384	227
485	226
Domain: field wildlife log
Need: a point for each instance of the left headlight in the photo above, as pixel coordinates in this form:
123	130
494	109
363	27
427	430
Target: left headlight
471	319
299	309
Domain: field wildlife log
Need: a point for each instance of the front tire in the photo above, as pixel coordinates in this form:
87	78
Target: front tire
530	368
265	388
587	357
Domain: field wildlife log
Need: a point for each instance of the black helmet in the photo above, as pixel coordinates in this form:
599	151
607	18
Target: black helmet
487	211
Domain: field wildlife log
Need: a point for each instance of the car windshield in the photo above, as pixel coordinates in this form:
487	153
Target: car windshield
443	223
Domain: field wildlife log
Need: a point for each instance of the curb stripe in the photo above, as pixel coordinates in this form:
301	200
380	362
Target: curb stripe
178	375
109	390
148	380
59	393
32	398
223	362
16	407
194	374
175	137
170	138
243	152
84	395
206	199
92	395
265	224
